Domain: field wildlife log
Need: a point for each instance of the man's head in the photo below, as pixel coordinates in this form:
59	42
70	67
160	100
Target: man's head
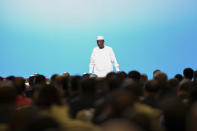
100	41
135	75
188	73
179	77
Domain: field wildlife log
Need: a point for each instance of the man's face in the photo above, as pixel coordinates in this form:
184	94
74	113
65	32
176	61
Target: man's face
100	44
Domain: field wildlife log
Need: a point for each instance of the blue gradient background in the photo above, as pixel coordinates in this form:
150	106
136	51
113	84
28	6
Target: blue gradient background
56	36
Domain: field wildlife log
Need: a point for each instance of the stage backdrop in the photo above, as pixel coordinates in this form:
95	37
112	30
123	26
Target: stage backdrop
56	36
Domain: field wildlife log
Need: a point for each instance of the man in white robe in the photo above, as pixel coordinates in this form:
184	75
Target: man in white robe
102	59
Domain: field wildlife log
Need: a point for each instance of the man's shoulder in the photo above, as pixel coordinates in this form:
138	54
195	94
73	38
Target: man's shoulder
95	48
108	47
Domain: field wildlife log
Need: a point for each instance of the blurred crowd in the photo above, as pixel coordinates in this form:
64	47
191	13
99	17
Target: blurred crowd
119	102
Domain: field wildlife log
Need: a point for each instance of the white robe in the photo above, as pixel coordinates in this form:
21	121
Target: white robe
102	61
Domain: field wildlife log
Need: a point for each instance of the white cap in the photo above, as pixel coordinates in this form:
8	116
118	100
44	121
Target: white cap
100	38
